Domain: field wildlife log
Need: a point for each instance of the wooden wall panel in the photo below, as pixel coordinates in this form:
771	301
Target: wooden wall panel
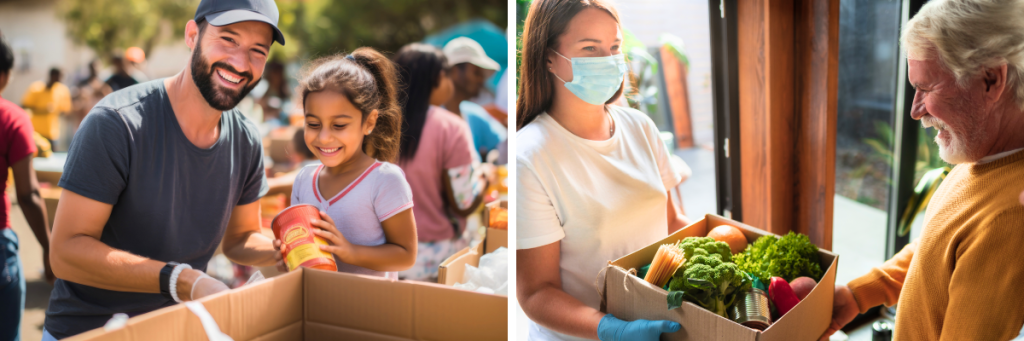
818	53
788	67
678	97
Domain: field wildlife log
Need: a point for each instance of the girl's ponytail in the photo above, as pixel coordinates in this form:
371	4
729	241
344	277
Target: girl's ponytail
385	139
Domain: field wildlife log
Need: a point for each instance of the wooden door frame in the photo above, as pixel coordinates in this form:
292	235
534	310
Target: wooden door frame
787	57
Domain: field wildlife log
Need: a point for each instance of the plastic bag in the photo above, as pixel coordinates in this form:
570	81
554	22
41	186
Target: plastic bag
492	275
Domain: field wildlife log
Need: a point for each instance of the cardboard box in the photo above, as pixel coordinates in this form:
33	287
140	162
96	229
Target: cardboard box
629	297
53	178
321	305
51	196
278	144
500	220
453	269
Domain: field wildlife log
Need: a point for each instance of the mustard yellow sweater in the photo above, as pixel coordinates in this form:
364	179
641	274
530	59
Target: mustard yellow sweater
964	278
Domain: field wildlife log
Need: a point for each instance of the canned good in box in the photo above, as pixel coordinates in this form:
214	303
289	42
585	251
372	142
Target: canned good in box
299	246
752	310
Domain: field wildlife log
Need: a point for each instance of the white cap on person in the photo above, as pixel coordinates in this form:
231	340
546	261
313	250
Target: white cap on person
466	50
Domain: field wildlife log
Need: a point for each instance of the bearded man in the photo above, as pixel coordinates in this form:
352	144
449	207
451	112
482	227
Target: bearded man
159	173
961	280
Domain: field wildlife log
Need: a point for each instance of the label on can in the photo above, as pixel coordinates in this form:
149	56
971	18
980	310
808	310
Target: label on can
302	248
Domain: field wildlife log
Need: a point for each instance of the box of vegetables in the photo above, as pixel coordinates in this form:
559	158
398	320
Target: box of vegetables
724	280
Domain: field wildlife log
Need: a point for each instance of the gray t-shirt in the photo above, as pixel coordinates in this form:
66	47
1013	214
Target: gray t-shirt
172	200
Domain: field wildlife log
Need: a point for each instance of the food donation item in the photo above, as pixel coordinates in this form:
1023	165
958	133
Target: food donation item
730	235
498	217
782	295
802	286
788	257
668	259
299	246
708	278
752	310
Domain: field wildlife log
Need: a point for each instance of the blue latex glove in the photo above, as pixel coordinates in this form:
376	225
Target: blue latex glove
613	329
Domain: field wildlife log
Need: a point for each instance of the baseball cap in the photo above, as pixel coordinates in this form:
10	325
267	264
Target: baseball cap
466	50
227	12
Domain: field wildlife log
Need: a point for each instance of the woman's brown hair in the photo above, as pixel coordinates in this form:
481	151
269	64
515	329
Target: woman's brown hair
545	22
369	81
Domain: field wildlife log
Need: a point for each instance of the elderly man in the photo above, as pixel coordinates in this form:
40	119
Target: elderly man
159	174
962	279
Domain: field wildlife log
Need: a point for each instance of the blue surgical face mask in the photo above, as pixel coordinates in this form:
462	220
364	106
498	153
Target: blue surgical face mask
595	79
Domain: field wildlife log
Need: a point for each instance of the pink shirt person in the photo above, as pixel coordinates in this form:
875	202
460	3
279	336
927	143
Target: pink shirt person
445	144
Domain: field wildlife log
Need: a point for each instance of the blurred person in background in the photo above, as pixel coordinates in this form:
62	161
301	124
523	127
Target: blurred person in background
500	112
499	109
302	157
437	156
121	78
48	101
276	96
87	93
470	68
593	178
134	58
16	150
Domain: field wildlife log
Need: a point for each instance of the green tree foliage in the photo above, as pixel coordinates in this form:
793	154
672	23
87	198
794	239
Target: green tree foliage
106	26
311	27
330	26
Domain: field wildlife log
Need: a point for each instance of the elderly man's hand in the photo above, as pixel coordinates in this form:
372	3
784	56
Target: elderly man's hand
844	309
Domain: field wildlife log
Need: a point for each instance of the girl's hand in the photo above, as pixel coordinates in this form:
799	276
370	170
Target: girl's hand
339	245
281	266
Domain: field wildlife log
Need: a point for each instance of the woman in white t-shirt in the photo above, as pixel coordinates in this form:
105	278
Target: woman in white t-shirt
593	178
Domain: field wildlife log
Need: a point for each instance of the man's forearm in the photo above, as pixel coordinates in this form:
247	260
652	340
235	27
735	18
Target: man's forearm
254	249
85	260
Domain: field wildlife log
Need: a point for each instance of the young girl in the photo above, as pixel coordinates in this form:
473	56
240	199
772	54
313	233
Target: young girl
352	124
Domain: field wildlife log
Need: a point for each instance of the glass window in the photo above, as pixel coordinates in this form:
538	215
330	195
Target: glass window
868	56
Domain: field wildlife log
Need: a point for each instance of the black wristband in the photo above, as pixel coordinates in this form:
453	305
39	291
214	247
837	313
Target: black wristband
165	279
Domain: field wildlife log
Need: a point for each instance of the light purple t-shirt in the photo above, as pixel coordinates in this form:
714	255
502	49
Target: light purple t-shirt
379	193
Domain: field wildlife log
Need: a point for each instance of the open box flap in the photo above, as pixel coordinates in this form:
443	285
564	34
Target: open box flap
453	269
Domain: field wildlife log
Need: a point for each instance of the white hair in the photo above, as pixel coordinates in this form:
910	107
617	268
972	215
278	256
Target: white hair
969	36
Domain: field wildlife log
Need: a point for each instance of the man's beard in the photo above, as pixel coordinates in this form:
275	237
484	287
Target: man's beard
958	149
217	96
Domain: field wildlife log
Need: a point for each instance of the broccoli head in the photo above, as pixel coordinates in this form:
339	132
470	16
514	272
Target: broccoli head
708	278
710	246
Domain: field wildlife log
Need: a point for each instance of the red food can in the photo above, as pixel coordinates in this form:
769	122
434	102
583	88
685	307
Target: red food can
299	246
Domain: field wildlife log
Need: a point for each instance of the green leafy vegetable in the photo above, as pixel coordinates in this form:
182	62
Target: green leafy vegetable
788	257
708	278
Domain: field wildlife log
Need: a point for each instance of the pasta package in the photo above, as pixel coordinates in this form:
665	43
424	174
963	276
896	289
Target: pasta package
668	259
